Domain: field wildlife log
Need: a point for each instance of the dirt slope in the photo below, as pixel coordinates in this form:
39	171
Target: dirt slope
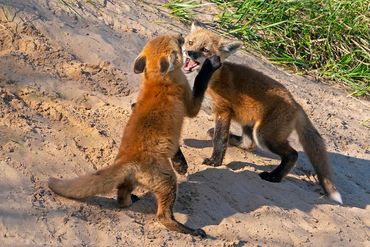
66	84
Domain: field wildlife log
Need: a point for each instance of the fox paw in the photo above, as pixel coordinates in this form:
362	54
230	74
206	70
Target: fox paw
211	162
269	176
180	166
199	232
127	202
215	61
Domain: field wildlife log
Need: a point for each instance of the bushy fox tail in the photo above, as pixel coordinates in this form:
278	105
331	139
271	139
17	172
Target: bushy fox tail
87	185
315	149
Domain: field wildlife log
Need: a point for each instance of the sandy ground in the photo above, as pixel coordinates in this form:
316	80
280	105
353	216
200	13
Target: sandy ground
66	84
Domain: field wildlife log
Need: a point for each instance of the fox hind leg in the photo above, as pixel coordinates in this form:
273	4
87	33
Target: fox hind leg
272	134
288	158
166	197
124	196
162	183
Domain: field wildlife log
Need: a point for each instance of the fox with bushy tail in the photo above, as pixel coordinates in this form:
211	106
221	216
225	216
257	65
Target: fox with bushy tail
265	109
151	136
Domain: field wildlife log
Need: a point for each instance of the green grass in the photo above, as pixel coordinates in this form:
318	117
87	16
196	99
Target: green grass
329	38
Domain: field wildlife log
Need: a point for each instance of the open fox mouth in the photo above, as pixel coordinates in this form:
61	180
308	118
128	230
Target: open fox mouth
190	64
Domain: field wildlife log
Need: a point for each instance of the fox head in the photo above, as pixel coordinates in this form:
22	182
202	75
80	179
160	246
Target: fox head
202	43
162	54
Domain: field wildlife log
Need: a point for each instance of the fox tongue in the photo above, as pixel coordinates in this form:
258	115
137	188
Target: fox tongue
189	64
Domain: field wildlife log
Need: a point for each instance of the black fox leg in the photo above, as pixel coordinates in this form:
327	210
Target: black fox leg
220	140
234	140
288	158
179	162
201	83
201	80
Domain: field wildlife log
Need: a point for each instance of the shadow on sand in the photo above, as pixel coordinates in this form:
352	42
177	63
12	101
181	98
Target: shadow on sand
217	193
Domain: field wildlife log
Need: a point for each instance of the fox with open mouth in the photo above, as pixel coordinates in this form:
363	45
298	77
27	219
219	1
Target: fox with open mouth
265	109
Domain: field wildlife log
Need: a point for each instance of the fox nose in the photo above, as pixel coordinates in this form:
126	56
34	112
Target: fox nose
193	54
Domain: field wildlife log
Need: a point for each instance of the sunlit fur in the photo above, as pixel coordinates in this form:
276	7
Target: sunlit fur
251	98
150	138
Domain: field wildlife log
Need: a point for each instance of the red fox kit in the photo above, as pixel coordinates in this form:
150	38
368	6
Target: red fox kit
152	133
263	107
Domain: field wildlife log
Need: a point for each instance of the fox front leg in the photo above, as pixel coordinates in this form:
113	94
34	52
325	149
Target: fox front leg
195	100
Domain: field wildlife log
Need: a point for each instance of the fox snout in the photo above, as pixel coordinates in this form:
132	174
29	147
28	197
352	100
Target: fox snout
193	54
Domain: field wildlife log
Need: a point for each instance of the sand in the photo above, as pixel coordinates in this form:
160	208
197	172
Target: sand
66	85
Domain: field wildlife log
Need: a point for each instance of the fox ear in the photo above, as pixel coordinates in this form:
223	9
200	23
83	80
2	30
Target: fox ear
229	47
196	25
139	65
167	64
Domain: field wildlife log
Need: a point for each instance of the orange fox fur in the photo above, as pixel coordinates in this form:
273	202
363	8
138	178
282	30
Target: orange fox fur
151	135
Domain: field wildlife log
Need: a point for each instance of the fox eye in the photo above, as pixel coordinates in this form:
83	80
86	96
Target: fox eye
204	49
190	42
